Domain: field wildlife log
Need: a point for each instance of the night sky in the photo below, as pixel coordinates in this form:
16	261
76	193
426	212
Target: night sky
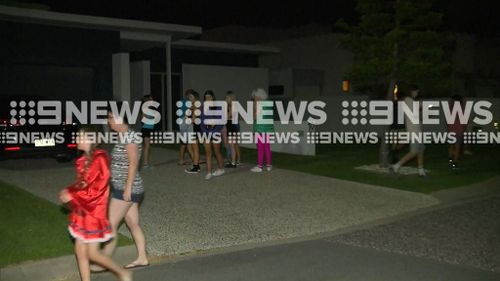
479	17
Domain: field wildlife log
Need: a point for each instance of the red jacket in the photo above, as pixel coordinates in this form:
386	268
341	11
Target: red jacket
89	198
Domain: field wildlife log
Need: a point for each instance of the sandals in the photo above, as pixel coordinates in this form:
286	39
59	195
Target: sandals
134	265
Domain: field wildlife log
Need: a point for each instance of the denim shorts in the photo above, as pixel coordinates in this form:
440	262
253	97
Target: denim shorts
136	198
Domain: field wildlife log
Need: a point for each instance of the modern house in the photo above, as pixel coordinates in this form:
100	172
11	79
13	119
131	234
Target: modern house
78	57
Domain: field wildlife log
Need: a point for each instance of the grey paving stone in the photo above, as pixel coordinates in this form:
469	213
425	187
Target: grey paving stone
467	234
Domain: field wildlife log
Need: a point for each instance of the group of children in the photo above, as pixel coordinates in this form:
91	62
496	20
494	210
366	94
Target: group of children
213	145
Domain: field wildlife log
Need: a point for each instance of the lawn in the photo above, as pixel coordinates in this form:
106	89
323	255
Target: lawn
32	228
339	161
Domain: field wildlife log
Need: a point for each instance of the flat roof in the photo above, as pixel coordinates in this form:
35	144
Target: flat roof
16	14
224	46
134	34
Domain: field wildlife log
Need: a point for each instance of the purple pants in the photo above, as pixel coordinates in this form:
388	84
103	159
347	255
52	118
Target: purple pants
263	149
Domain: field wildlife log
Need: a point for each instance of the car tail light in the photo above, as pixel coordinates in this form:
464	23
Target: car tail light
12	148
4	122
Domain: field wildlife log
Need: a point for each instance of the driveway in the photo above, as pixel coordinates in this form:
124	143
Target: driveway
184	213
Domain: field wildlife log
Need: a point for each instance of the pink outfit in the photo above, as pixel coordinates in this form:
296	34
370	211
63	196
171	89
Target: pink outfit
263	149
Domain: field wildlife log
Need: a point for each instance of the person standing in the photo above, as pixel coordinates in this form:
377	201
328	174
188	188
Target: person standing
263	127
212	138
192	145
414	128
233	128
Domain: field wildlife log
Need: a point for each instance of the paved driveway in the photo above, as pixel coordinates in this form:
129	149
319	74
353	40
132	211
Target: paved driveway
184	213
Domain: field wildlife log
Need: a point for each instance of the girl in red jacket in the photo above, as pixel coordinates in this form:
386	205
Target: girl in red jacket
88	200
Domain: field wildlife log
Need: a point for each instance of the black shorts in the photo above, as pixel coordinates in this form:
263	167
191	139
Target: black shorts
232	128
146	133
196	128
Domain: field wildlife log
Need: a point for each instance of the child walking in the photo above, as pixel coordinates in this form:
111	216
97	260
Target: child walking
88	200
417	148
263	126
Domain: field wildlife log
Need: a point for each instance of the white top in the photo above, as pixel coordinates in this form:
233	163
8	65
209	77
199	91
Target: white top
412	127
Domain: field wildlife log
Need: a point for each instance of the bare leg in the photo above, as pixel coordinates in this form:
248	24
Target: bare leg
146	152
225	141
182	153
132	221
190	152
458	149
218	155
420	160
96	256
196	153
83	260
208	154
237	152
409	156
234	153
117	211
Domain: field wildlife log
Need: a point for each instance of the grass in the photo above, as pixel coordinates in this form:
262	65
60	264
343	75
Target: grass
339	161
32	228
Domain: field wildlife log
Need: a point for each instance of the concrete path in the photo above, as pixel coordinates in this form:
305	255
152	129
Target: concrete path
183	213
465	234
312	260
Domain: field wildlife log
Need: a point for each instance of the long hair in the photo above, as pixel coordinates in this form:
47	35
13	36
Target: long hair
231	96
119	105
208	93
86	130
146	98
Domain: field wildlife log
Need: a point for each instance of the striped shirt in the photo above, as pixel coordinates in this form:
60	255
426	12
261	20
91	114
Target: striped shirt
120	163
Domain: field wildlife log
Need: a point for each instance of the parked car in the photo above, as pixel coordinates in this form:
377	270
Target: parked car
18	140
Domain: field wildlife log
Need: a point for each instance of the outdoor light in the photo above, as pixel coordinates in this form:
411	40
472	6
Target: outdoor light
495	125
345	85
395	92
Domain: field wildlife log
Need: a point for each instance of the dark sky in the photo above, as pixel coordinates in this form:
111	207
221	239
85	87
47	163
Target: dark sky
479	16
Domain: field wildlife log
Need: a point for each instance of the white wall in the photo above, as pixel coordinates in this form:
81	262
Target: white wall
300	148
140	79
121	76
220	79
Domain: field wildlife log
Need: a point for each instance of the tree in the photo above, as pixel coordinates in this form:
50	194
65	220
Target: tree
397	41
